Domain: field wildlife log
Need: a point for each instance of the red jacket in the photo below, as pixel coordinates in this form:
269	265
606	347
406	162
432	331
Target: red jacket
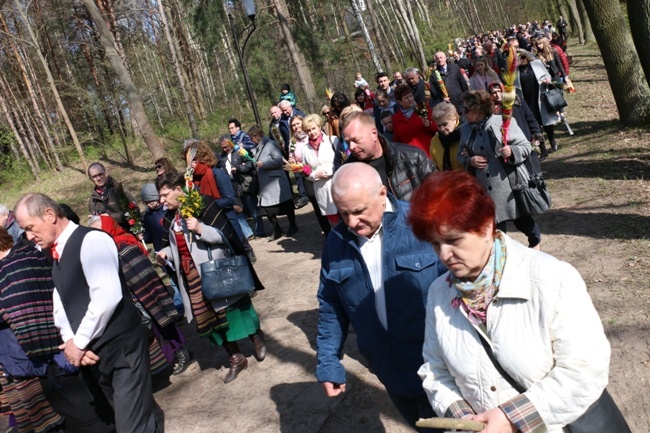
412	131
562	56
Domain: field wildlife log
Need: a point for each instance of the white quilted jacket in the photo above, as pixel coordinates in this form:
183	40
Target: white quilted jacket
545	333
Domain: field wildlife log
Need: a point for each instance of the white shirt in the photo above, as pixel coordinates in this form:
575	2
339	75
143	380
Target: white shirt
100	264
229	165
372	252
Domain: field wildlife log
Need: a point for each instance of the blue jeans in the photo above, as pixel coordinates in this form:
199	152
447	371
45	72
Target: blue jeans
245	228
250	205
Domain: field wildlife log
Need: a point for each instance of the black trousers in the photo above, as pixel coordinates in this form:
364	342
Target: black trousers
80	400
124	377
414	408
526	225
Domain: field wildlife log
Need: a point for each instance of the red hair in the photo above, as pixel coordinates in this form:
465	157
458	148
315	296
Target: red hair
453	199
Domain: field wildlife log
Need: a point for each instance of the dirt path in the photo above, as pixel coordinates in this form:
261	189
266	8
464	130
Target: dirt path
598	224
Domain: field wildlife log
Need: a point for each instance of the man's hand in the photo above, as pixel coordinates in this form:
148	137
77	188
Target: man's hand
72	353
333	389
90	358
495	421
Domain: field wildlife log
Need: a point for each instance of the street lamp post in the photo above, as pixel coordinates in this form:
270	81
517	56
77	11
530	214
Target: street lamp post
249	5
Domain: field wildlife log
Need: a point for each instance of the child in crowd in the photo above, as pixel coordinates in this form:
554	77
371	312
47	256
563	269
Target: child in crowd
387	122
361	83
287	95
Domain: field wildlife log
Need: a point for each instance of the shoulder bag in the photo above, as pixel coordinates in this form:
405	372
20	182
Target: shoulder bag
603	416
553	99
527	184
226	277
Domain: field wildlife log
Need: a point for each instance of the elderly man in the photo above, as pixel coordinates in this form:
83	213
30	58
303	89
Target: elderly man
8	221
375	276
454	83
239	137
288	111
109	196
279	130
401	167
98	323
414	79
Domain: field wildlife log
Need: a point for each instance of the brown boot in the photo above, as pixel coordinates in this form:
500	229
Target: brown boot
260	345
238	362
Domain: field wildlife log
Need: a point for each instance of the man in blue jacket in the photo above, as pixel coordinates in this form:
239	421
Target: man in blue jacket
375	276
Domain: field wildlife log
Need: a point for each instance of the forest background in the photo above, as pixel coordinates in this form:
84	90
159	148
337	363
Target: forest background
84	78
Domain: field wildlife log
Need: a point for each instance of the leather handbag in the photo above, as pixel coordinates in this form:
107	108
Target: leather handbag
531	195
226	277
553	99
603	416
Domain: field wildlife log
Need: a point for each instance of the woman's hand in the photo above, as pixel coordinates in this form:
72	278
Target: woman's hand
478	161
194	225
260	164
161	258
506	151
495	421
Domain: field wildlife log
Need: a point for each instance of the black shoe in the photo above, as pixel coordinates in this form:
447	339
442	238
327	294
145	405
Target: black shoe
275	236
554	147
183	360
302	203
251	256
292	231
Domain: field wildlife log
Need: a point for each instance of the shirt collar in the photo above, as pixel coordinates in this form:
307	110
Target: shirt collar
64	236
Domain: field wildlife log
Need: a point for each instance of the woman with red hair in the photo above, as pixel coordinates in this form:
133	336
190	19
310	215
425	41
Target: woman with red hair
512	338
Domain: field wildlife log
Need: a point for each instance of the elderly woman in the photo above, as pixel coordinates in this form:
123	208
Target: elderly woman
444	145
319	156
483	152
187	241
505	310
275	190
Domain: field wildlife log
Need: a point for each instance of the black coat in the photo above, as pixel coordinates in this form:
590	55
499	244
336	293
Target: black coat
405	166
455	84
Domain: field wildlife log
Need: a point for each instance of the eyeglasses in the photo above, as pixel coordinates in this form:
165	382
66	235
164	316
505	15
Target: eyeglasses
98	175
326	113
158	167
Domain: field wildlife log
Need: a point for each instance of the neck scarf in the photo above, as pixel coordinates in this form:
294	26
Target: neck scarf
475	296
118	234
315	144
204	179
447	141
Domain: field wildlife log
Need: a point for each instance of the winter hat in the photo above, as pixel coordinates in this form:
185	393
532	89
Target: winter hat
286	87
149	192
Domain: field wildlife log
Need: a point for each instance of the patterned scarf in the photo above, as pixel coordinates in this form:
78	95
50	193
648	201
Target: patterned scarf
475	296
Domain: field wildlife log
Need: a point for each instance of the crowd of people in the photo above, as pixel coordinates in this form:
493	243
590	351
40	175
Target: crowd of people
410	188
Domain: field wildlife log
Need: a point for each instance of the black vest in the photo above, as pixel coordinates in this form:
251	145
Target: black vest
71	284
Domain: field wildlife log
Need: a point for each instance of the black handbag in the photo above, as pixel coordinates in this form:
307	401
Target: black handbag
603	416
532	197
226	277
553	99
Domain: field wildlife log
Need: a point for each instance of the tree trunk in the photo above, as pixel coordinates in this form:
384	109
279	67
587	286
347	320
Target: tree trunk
366	35
19	139
586	24
346	36
377	32
137	108
298	60
575	18
639	16
55	92
179	74
416	36
626	78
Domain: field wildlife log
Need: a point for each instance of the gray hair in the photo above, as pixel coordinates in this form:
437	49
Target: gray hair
284	103
443	110
4	210
190	142
411	71
356	175
36	204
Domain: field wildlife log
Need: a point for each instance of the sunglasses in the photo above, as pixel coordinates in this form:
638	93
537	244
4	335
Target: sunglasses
326	113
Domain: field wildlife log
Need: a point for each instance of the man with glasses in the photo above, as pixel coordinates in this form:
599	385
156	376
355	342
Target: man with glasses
108	196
